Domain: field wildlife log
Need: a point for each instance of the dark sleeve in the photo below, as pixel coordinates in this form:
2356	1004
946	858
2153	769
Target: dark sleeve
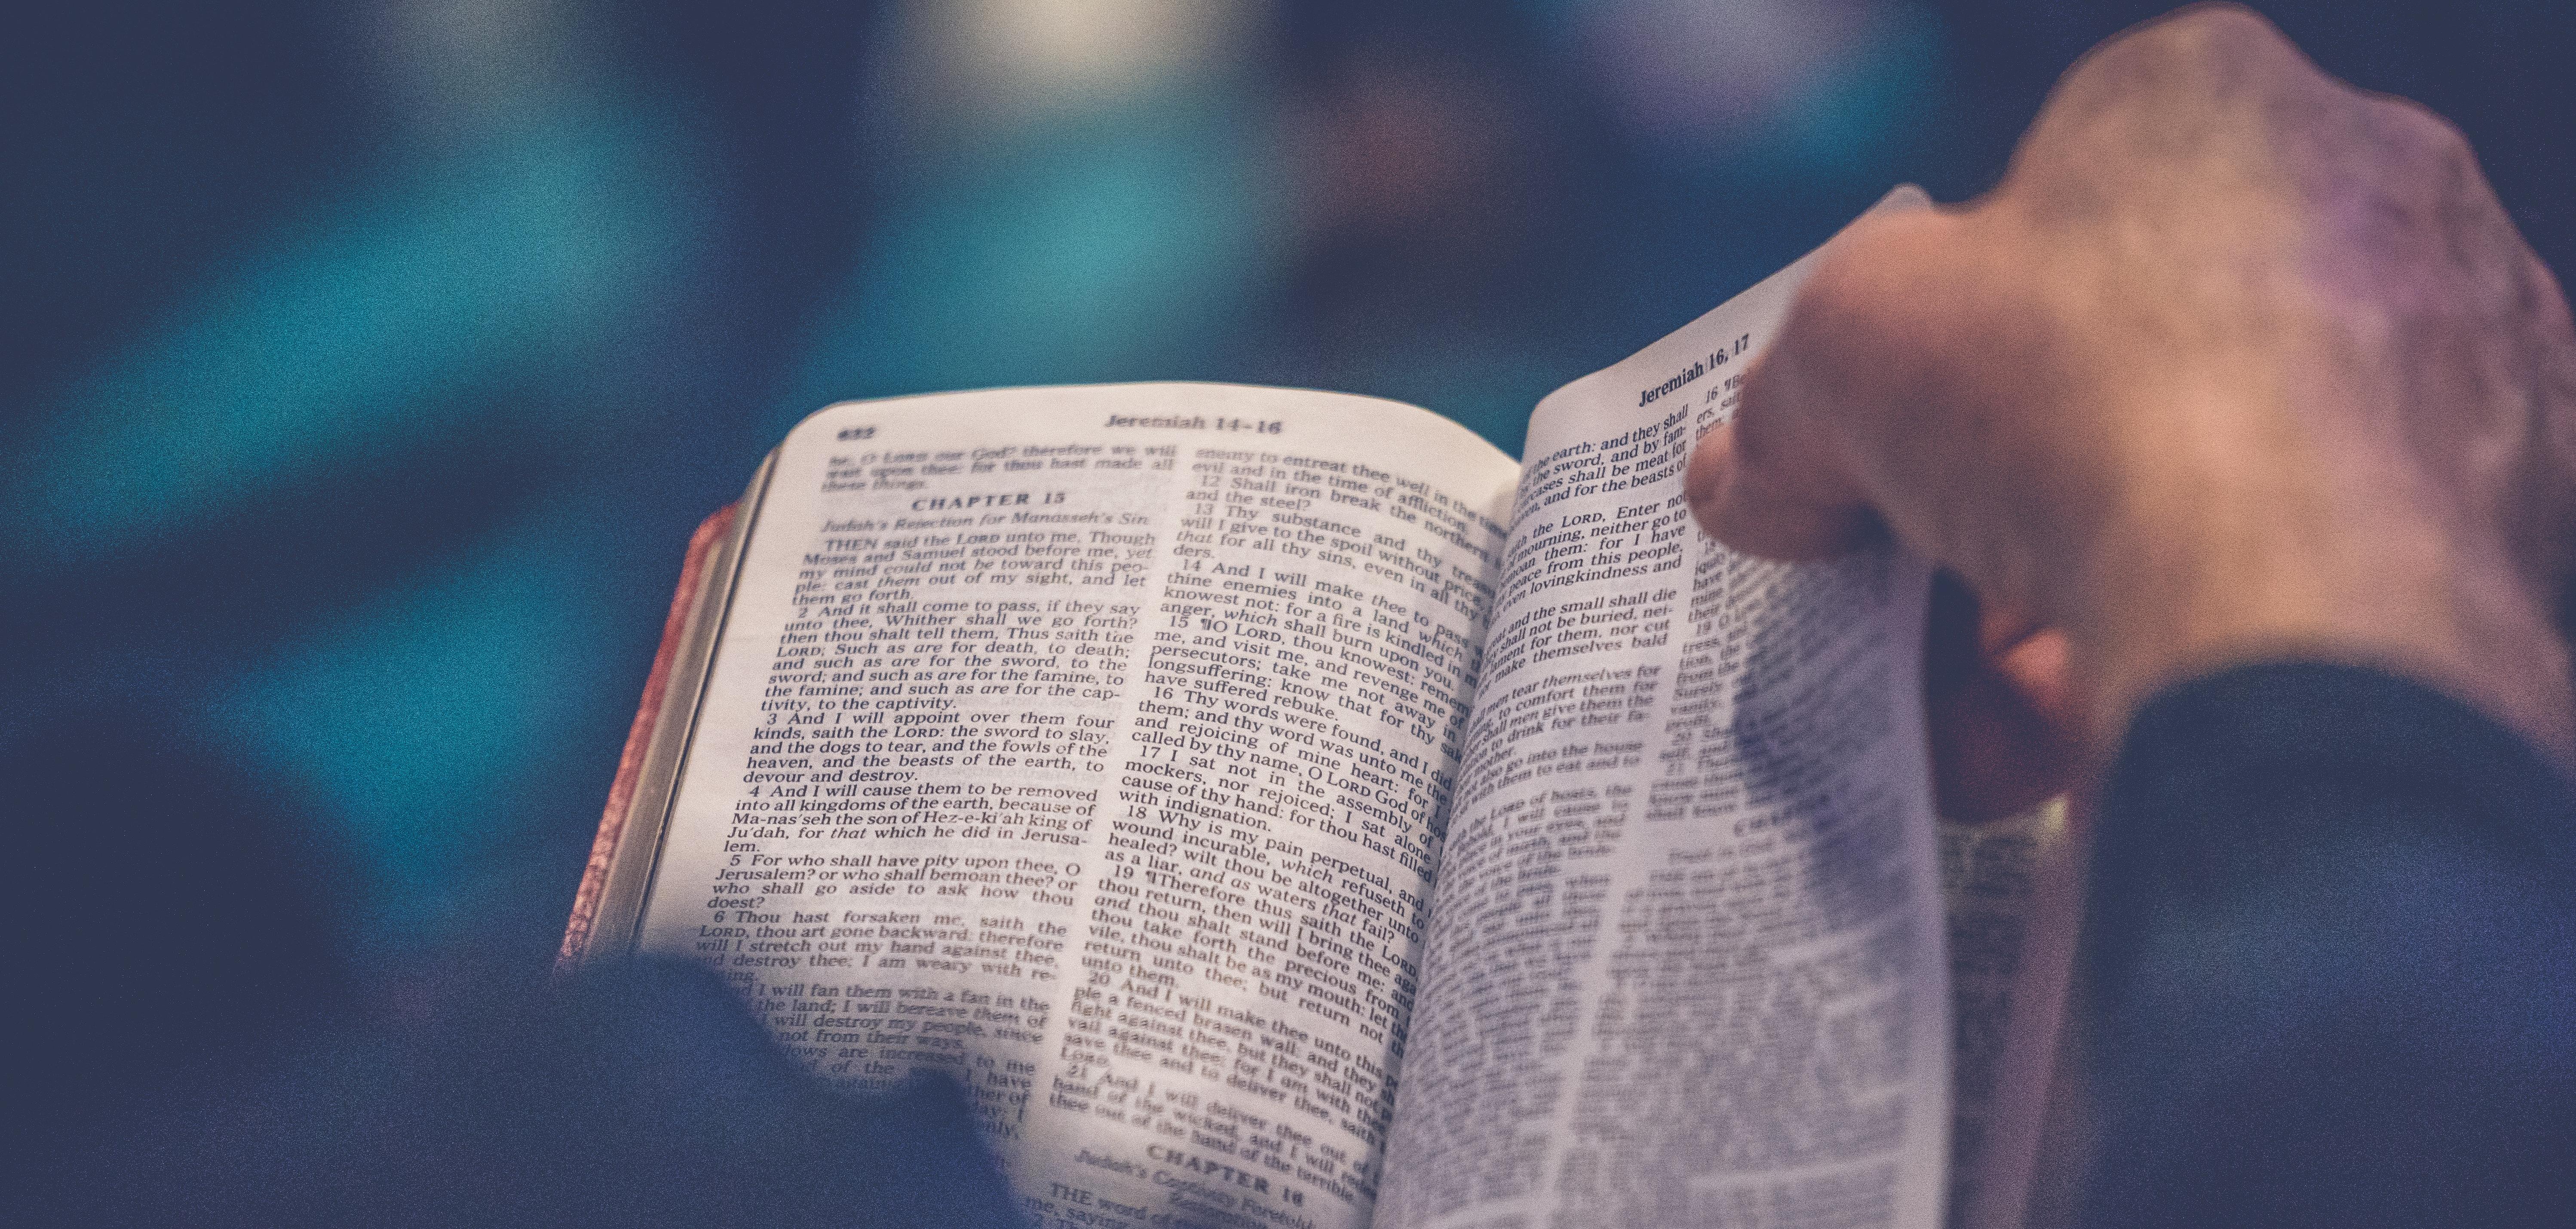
2332	936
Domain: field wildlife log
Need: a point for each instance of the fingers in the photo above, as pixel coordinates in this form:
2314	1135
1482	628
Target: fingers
2550	512
1997	705
1747	493
2036	666
1993	756
1778	480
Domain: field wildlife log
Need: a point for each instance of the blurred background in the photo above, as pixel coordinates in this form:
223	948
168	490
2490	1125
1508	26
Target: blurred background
368	364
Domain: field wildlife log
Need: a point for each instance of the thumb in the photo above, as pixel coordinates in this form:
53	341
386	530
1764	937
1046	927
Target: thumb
1764	483
1783	479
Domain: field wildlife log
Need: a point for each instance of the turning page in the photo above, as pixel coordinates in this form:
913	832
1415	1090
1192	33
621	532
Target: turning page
1088	744
2015	891
1686	960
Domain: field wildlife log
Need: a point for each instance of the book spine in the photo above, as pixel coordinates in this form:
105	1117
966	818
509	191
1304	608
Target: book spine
639	739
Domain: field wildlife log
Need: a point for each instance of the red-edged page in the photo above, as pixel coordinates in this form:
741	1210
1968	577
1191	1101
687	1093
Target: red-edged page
639	738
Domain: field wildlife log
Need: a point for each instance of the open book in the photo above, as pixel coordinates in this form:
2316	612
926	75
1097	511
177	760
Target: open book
1282	808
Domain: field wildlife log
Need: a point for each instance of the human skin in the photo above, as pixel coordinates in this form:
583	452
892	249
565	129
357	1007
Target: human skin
2237	363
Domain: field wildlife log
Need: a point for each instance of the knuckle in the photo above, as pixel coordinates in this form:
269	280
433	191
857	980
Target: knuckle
2199	46
2222	26
2422	131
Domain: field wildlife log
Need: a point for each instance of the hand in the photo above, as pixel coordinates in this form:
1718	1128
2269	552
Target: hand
2238	362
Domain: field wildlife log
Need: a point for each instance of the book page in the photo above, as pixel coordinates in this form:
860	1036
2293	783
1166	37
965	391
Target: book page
1686	964
1087	744
2013	890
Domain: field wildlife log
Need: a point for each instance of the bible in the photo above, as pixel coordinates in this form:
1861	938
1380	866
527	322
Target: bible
1282	808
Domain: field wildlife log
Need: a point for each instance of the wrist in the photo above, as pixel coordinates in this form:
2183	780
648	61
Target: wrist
2361	588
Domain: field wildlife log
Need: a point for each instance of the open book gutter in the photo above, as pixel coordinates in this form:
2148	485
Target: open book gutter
1281	808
